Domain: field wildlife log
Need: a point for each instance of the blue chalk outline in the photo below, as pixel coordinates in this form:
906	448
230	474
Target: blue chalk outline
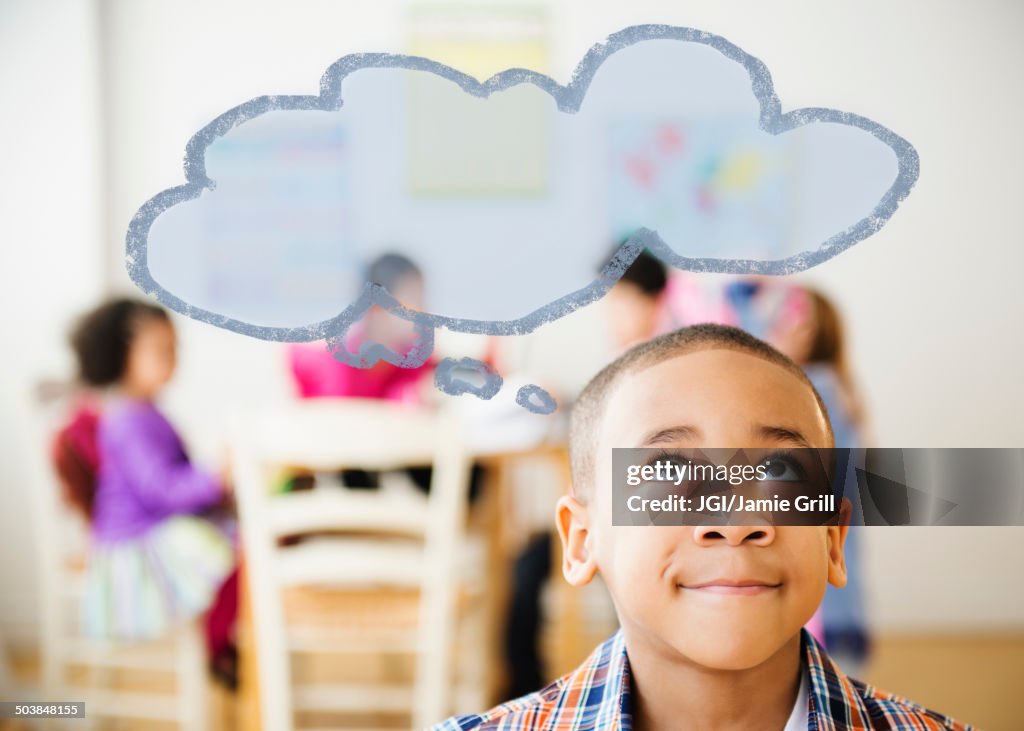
544	404
568	98
447	381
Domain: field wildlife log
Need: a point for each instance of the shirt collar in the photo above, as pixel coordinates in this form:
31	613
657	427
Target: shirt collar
835	703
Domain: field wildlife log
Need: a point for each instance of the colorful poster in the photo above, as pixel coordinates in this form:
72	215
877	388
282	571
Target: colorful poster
720	185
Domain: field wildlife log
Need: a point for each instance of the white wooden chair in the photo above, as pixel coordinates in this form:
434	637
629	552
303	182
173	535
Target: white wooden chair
61	556
365	548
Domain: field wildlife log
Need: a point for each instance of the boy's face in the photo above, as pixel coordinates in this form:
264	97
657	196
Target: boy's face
724	597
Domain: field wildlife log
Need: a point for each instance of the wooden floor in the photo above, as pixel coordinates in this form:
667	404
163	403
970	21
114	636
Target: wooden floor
977	678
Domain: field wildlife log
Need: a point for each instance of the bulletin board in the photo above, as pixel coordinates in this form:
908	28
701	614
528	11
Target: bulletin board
463	146
708	186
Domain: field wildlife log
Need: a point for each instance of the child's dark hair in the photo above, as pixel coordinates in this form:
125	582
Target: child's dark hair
647	273
390	268
101	338
588	411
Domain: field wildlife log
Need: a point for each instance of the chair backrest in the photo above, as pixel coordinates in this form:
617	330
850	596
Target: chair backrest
60	530
329	435
62	547
75	454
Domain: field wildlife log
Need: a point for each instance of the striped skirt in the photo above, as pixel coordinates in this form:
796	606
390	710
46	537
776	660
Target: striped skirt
141	588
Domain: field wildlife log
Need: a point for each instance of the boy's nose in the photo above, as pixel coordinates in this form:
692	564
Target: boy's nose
734	535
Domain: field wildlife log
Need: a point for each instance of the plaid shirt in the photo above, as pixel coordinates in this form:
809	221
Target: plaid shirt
597	696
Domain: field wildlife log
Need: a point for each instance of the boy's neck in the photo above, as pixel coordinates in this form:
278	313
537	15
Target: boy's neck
673	693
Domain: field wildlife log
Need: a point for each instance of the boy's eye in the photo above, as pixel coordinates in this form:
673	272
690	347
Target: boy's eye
667	461
674	462
780	469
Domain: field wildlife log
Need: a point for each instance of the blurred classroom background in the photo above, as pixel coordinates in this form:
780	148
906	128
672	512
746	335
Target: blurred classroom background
101	97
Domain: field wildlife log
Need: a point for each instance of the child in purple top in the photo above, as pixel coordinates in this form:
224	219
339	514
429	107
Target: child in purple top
145	476
153	562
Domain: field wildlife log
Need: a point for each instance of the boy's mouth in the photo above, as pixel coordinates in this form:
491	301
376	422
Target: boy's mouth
734	587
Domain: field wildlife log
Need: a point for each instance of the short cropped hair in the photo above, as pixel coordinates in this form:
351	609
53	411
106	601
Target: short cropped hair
102	337
589	408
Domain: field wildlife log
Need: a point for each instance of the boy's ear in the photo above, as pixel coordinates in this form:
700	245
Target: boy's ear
836	541
573	521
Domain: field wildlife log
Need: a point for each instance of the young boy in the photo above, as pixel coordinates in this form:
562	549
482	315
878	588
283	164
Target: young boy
710	617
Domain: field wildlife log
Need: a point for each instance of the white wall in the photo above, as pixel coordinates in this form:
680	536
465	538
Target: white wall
50	219
931	301
172	67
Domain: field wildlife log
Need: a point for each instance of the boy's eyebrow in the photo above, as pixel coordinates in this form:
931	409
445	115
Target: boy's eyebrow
781	433
671	434
684	432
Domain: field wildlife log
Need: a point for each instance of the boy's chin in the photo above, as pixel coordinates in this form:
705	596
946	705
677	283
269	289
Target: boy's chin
731	651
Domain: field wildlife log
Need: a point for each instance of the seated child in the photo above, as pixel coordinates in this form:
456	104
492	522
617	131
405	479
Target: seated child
635	303
153	563
318	374
711	617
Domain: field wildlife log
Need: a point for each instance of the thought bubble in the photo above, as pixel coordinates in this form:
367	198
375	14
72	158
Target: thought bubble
507	191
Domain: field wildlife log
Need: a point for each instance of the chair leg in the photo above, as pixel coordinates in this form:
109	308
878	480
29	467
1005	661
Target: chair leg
193	685
100	683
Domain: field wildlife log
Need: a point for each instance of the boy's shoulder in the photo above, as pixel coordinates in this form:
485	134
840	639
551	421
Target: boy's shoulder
597	696
890	711
839	701
592	696
535	710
